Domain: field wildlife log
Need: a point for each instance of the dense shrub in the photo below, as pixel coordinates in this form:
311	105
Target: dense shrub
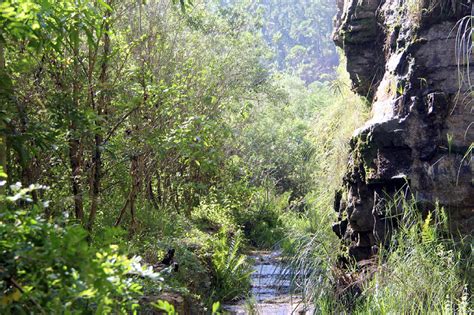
49	267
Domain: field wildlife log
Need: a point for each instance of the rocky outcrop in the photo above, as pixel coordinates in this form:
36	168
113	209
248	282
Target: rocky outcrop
404	56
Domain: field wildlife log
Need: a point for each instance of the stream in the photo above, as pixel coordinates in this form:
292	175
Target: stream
271	289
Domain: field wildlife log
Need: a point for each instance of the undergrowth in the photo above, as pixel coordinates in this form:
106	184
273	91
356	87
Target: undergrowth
231	270
311	242
50	267
425	270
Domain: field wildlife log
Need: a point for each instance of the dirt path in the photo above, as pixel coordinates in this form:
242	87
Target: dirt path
271	289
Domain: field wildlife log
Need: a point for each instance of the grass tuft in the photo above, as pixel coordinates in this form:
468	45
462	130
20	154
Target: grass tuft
423	271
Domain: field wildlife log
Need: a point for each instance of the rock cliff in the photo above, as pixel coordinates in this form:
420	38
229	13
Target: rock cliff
410	59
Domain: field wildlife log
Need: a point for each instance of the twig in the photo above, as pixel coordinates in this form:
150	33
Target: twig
20	288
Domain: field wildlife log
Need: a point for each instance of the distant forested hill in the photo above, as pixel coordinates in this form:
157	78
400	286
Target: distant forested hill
299	33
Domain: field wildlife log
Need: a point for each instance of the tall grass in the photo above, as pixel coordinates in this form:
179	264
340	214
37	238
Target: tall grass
314	246
333	128
417	8
463	49
424	271
463	52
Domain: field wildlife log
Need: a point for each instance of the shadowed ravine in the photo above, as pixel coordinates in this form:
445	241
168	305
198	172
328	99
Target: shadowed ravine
271	289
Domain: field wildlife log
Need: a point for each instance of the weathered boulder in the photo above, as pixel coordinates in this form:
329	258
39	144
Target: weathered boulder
408	58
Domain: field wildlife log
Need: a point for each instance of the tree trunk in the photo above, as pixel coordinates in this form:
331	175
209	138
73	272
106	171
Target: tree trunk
75	151
136	183
159	189
132	195
101	112
123	210
75	162
3	102
150	193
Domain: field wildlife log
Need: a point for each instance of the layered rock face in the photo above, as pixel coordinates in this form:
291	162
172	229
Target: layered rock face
409	59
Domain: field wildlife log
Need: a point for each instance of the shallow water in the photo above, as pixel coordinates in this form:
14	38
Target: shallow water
271	289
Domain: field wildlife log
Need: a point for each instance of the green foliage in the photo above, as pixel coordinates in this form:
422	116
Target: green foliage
215	212
165	306
425	271
50	267
183	4
299	35
313	254
310	241
215	308
18	19
261	219
342	113
272	137
230	268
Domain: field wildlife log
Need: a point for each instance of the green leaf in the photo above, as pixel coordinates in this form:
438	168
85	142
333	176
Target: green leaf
165	306
2	173
88	293
105	5
215	307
